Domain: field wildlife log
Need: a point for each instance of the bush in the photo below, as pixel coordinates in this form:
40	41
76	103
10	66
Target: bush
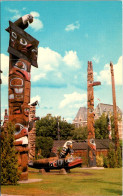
105	162
9	166
118	157
111	157
99	161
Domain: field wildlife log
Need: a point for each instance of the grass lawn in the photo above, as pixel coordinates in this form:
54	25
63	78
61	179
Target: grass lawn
80	182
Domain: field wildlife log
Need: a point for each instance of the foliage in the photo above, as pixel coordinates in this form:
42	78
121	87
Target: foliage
9	167
48	127
105	162
80	133
43	146
99	161
111	156
101	127
119	157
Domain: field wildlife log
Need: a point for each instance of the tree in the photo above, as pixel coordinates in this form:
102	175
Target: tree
43	146
9	166
101	127
80	133
48	127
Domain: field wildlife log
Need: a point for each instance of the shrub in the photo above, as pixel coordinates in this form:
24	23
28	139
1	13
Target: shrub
99	161
111	157
105	162
9	166
118	157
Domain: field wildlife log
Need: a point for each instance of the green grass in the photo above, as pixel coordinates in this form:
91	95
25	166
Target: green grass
80	182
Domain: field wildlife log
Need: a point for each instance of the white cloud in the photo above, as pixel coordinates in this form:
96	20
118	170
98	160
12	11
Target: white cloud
36	24
36	98
96	59
37	77
72	98
35	14
4	68
49	60
16	17
71	59
13	10
73	26
105	75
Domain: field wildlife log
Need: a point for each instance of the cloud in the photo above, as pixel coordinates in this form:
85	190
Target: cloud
105	75
48	59
37	77
73	26
72	98
35	14
96	59
36	98
13	10
4	68
16	17
36	24
53	66
71	59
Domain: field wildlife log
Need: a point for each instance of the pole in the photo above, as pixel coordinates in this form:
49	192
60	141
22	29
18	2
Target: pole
90	115
114	107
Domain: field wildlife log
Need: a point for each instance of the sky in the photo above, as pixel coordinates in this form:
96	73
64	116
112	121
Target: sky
70	33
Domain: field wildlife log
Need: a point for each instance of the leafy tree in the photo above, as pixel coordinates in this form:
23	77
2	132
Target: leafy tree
101	127
80	133
9	166
43	146
48	127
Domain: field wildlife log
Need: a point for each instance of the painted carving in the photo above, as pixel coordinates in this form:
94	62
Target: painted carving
23	54
32	130
90	115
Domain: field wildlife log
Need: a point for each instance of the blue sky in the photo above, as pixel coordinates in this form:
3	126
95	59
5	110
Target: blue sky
70	34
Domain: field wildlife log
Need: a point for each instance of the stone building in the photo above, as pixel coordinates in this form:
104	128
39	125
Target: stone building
107	109
81	118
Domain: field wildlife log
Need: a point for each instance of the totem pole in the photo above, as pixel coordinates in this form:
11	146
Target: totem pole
6	118
90	115
109	127
22	54
32	130
114	107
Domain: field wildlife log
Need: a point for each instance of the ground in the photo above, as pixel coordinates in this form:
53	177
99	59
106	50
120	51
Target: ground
79	182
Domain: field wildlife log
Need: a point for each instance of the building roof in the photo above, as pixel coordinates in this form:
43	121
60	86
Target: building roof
81	114
83	145
106	108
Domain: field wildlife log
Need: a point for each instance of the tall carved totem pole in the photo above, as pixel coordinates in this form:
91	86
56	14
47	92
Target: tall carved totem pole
114	107
23	49
90	115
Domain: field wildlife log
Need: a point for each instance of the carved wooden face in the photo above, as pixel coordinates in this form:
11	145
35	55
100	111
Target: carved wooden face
23	45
